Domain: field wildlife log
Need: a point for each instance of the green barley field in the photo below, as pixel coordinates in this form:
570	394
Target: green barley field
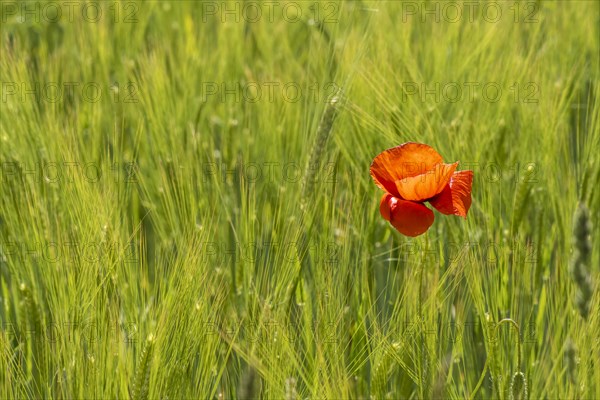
186	208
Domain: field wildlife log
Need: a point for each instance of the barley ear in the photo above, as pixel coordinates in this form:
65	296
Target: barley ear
290	389
31	309
580	260
518	387
521	198
249	384
32	315
518	383
323	133
570	356
142	373
381	372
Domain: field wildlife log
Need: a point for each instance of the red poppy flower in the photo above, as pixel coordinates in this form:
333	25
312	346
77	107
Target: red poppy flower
412	174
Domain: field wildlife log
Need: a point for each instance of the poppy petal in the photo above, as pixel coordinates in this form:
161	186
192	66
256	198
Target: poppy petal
407	160
409	218
385	208
425	186
455	199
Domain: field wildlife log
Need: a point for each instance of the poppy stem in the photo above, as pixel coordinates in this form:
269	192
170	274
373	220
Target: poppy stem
480	381
516	327
423	372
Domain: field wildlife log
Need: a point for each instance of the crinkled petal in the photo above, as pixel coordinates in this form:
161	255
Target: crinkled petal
404	161
425	186
455	199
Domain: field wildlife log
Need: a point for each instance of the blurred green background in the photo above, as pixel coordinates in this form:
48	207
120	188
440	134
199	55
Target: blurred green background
164	233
